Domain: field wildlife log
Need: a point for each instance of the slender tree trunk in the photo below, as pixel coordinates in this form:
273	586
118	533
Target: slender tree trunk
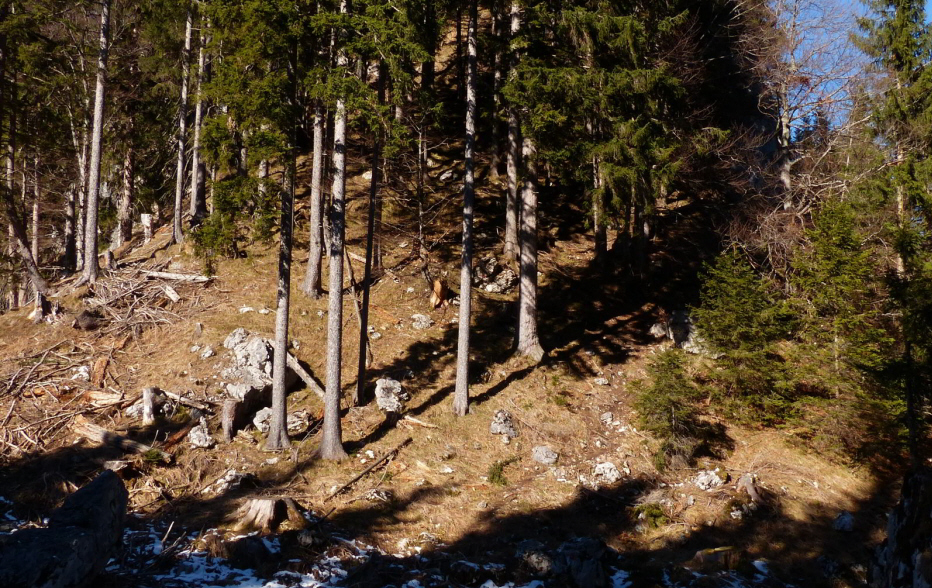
125	206
370	237
34	245
263	175
528	343
497	67
598	222
513	154
198	208
11	187
91	267
80	141
331	444
461	392
80	225
17	227
177	236
69	258
312	279
278	429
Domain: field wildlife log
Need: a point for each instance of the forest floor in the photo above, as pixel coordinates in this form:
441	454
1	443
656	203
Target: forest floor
455	488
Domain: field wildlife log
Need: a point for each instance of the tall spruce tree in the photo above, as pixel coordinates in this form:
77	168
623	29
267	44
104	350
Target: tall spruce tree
898	40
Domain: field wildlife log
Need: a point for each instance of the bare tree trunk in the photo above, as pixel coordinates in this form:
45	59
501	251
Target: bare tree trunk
312	279
198	208
177	236
528	343
14	301
278	429
80	141
497	67
461	392
91	267
34	245
513	154
69	258
598	222
263	175
331	443
364	347
125	207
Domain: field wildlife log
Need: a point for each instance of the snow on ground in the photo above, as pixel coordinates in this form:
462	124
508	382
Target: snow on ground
152	556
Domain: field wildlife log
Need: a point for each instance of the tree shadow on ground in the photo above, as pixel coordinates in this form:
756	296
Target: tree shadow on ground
801	547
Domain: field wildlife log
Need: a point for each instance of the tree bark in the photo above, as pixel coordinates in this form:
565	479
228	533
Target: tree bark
364	346
91	268
312	279
198	208
331	444
528	343
177	236
34	245
513	153
278	430
125	206
461	392
497	74
69	258
17	227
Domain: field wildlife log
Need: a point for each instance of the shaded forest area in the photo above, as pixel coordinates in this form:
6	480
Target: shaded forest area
669	237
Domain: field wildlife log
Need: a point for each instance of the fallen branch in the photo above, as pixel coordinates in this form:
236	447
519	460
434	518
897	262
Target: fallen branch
179	435
171	293
419	422
185	401
371	467
177	277
307	378
101	435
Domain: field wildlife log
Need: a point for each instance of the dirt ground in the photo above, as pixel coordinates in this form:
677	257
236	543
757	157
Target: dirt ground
454	487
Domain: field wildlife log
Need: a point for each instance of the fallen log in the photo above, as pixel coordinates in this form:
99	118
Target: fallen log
98	434
82	536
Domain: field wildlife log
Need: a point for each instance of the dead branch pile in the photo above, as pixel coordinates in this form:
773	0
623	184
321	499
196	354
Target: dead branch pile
136	299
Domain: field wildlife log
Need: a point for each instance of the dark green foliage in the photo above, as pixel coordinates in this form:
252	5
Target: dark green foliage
238	205
667	407
742	319
838	289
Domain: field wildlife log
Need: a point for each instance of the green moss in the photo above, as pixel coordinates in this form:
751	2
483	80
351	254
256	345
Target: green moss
652	514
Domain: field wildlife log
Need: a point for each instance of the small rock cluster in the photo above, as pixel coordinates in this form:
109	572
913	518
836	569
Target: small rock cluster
709	479
390	396
502	424
491	277
679	328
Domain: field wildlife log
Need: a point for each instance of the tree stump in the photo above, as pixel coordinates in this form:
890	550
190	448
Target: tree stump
152	399
269	515
76	546
146	221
